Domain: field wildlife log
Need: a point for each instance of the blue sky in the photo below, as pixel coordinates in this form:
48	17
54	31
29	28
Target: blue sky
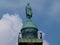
46	15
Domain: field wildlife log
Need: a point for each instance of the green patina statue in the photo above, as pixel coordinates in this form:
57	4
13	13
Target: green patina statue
28	11
29	31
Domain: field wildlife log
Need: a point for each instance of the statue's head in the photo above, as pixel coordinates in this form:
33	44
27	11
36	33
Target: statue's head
28	4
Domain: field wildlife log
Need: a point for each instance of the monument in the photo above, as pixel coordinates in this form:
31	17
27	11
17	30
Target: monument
29	31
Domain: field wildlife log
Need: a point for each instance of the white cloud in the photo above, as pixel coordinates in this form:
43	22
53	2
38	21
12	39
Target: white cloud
45	42
10	25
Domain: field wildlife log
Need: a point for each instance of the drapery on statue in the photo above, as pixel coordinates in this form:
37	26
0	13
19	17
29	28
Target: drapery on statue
28	11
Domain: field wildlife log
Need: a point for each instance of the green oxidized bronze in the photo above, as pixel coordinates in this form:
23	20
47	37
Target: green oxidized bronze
29	30
28	11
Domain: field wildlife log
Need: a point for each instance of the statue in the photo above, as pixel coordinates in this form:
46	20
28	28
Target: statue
28	11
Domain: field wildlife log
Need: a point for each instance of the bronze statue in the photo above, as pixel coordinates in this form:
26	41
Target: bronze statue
28	11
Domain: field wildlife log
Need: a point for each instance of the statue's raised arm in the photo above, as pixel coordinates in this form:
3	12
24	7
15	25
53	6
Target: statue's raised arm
28	11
